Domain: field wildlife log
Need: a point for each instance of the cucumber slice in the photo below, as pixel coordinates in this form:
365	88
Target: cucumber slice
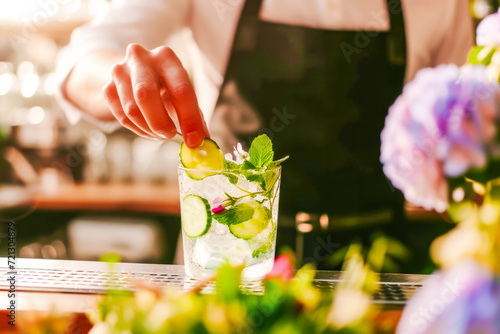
253	226
208	156
196	216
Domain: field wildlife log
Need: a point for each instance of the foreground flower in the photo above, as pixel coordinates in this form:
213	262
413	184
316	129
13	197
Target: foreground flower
464	299
282	268
488	30
441	126
349	306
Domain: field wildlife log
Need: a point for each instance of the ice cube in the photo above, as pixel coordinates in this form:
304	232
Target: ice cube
217	228
212	250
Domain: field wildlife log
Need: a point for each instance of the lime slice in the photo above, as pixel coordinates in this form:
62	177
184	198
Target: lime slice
208	156
253	226
196	216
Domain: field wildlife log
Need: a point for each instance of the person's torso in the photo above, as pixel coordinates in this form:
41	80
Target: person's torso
322	95
213	24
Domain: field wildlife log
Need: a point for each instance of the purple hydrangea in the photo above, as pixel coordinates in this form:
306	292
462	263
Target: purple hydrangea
488	30
441	126
464	299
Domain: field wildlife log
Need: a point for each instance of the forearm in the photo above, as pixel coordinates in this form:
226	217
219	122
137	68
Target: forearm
84	85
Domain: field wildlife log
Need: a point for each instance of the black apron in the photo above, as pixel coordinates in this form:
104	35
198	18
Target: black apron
322	97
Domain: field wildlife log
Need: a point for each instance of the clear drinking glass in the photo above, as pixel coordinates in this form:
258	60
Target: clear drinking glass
246	233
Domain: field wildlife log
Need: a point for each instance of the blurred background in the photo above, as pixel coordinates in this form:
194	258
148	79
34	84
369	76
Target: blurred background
76	192
69	186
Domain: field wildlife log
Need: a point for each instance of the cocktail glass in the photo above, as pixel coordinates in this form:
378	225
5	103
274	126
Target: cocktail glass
234	234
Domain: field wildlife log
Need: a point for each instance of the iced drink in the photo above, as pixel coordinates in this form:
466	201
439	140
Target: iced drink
228	215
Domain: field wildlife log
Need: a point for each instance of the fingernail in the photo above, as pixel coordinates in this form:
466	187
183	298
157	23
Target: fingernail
193	139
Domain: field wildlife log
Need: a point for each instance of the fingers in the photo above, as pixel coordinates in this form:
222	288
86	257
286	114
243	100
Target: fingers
150	89
182	95
129	106
205	128
146	92
114	103
167	103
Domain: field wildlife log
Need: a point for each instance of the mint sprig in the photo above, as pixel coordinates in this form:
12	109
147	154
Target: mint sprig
259	167
261	157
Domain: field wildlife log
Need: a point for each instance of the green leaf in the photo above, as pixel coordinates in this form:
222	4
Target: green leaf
261	151
337	257
397	249
232	165
235	215
377	252
270	178
232	177
481	55
266	180
255	177
228	282
247	165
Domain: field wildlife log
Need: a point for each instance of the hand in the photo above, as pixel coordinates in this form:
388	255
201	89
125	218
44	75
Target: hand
150	89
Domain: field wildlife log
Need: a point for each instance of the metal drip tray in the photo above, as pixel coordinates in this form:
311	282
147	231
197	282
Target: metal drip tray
87	277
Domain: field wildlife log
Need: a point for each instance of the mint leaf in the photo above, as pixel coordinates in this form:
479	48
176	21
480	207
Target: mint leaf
261	151
255	177
232	165
247	165
266	179
232	177
235	215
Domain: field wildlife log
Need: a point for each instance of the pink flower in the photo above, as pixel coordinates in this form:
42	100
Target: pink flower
218	209
283	268
217	201
441	126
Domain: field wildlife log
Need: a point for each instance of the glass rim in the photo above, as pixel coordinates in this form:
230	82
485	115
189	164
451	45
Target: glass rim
220	171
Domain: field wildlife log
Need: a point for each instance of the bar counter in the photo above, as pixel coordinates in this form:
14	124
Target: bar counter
75	286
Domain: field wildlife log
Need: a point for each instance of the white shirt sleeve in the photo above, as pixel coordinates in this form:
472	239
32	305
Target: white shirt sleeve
438	32
458	37
148	23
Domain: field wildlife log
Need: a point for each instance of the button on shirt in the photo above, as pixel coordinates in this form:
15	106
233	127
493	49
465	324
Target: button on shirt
438	31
